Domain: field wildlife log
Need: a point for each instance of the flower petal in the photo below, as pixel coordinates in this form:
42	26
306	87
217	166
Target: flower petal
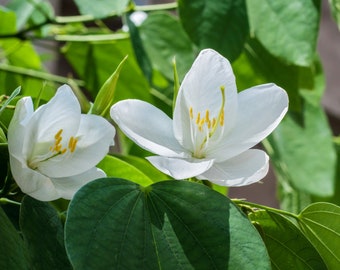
95	135
201	90
261	109
179	168
61	112
147	126
17	128
244	169
68	186
32	182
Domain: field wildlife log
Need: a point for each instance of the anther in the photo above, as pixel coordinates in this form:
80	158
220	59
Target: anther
198	119
191	113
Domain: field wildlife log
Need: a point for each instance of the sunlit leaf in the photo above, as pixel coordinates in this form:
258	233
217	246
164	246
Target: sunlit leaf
168	225
320	223
288	248
115	167
288	30
309	171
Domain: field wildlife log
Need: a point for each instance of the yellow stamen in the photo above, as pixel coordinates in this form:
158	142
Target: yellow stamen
58	134
198	118
72	144
191	113
207	116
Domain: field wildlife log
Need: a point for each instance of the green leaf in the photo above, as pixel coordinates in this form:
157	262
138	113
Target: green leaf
26	10
138	47
220	25
7	21
308	170
91	62
43	233
287	29
320	223
168	225
164	39
102	8
115	167
335	9
12	248
144	166
288	248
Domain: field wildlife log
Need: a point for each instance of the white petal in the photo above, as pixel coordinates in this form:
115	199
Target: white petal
244	169
95	135
147	126
200	90
261	109
68	186
32	182
17	128
180	168
61	112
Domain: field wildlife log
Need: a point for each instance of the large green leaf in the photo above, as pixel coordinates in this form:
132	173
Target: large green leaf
12	248
43	233
287	29
102	8
221	25
321	224
164	39
288	248
116	224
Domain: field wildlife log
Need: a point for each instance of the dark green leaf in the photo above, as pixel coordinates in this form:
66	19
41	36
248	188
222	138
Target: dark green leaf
102	8
12	248
220	25
164	39
43	233
287	29
288	248
320	223
114	223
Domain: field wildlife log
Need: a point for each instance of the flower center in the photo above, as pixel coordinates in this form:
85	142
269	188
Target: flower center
203	126
57	149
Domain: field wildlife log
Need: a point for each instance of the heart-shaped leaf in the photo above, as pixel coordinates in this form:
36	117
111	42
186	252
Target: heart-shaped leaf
114	223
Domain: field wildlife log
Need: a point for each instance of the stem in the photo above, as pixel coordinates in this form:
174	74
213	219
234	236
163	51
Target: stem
89	18
38	74
87	38
5	201
267	208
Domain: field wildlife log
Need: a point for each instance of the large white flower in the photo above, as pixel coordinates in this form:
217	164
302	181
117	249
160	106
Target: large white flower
213	126
54	150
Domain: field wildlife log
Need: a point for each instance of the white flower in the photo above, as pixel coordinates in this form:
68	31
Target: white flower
54	150
213	126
